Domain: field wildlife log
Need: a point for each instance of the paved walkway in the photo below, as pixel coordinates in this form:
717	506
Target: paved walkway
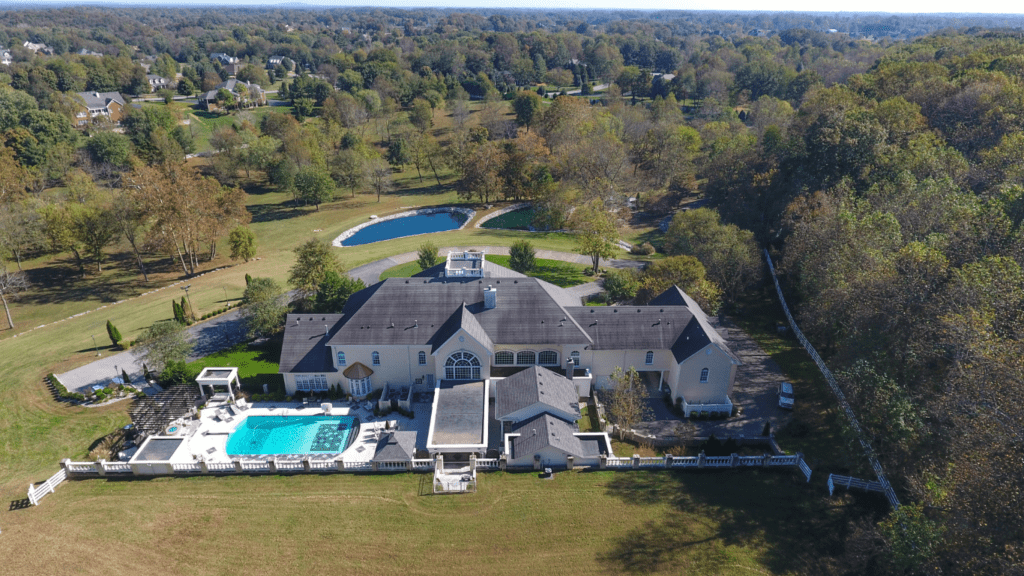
209	337
370	273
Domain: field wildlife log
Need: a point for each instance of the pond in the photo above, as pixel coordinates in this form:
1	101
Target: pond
405	226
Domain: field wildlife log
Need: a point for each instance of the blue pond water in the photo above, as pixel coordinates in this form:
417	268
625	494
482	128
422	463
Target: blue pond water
291	435
406	226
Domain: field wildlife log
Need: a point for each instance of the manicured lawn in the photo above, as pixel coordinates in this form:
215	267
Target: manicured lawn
588	422
516	220
749	522
564	274
257	365
401	271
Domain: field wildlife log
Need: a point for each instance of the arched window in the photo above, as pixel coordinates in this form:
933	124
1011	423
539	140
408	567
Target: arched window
376	358
704	376
575	355
423	358
341	358
504	358
549	358
650	357
526	357
462	366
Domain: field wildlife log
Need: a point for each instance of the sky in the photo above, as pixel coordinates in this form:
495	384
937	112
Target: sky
896	6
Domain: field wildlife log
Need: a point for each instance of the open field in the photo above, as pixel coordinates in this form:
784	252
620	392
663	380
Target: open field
752	522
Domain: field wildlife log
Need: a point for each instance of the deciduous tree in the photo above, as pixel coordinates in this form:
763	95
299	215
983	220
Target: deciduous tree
595	232
313	260
243	243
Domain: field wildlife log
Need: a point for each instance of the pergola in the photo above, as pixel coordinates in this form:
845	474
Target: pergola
222	377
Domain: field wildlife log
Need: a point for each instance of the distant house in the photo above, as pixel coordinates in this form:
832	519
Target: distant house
159	82
224	58
108	105
245	93
232	69
5	56
37	47
84	52
273	61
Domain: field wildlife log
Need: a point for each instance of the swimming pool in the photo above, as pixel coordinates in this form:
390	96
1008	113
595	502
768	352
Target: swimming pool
292	435
406	226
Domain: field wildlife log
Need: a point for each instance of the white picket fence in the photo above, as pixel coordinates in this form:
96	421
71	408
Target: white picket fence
890	494
36	494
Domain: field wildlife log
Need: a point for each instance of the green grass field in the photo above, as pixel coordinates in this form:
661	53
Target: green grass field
580	523
401	271
256	365
557	272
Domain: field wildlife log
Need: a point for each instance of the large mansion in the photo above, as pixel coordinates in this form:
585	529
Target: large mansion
469	320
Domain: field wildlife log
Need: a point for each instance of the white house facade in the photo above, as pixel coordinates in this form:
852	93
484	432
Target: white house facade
471	320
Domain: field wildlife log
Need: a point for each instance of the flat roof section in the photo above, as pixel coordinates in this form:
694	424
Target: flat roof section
158	449
459	414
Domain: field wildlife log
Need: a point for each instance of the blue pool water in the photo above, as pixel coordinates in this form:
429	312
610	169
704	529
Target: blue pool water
406	226
292	435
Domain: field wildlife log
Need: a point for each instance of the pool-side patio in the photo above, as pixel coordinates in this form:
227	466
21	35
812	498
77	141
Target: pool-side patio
206	439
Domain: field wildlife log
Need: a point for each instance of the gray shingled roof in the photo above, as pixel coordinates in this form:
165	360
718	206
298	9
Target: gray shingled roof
674	296
535	385
460	413
304	348
636	327
396	447
461	319
411	311
542	431
95	100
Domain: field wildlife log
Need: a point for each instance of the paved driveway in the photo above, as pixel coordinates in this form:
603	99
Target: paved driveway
209	337
754	392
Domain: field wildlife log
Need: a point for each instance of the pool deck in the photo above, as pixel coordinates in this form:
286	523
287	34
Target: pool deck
212	433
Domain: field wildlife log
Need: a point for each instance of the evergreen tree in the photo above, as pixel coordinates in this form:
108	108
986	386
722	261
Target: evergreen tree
186	311
248	279
179	314
115	336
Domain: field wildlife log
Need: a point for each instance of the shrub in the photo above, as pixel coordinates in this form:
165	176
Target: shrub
645	249
521	256
622	284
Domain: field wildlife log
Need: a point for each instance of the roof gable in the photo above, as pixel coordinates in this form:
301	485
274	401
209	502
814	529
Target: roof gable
461	320
542	431
532	386
305	348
